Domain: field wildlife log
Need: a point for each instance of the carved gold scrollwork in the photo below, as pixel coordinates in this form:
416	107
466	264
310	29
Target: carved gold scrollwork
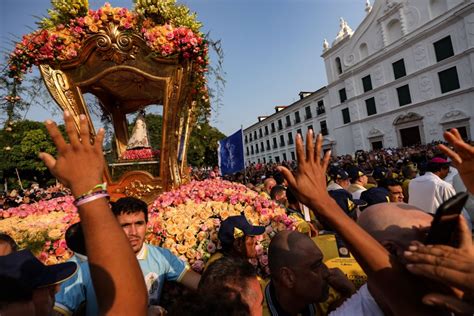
139	189
66	95
115	45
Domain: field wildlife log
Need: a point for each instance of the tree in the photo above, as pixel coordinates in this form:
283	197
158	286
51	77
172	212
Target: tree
202	150
20	144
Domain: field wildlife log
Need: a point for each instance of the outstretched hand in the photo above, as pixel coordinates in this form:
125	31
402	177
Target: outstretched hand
462	157
309	182
80	164
451	266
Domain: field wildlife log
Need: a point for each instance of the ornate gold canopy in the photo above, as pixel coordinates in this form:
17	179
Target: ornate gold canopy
125	75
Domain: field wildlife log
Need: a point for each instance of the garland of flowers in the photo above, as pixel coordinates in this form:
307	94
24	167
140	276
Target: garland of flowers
169	30
140	154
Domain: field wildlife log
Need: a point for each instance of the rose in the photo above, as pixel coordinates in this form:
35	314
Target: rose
198	265
54	234
211	247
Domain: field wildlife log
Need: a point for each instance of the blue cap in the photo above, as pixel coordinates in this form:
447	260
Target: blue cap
341	174
24	268
380	173
235	227
344	199
375	195
355	172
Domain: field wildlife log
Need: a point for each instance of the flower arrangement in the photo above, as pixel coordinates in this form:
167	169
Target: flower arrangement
185	220
40	227
140	154
169	30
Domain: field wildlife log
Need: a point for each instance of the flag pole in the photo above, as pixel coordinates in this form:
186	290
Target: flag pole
243	153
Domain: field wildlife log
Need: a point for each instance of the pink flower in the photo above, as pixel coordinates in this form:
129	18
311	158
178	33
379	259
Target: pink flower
211	247
198	266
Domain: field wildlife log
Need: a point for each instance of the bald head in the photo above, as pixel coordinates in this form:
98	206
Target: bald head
287	248
394	221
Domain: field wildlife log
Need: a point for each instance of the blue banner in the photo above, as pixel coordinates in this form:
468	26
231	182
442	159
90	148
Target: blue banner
231	154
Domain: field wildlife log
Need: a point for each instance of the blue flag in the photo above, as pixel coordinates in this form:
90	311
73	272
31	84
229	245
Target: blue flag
231	154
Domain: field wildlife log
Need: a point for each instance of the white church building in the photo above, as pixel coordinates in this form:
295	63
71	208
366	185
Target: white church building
401	78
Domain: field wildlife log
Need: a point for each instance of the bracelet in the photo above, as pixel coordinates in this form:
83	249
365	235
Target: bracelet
89	194
90	198
101	186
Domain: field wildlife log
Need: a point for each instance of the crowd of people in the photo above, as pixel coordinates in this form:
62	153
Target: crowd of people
31	195
374	208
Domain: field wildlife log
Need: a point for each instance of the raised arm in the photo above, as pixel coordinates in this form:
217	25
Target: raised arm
462	157
309	184
116	275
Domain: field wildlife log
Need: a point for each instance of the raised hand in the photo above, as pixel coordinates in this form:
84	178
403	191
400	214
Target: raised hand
309	182
451	266
462	157
79	164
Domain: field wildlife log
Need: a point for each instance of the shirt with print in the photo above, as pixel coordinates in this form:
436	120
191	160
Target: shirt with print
157	264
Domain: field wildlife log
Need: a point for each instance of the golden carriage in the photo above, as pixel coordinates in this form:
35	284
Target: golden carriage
125	75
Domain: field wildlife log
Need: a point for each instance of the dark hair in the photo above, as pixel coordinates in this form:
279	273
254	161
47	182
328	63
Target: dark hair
223	301
225	272
129	205
391	183
6	238
75	239
436	167
275	190
291	197
279	178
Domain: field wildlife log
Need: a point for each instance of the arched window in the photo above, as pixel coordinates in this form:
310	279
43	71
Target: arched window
363	50
394	31
438	7
338	65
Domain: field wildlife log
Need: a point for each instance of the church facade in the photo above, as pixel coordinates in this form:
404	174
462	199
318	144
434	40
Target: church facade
401	78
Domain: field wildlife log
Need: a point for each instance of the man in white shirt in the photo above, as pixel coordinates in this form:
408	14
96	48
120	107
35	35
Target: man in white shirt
430	190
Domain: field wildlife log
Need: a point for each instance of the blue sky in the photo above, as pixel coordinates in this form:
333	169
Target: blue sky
272	47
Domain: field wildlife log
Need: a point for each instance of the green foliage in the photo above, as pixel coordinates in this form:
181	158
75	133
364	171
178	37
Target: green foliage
202	150
63	11
34	142
169	11
19	149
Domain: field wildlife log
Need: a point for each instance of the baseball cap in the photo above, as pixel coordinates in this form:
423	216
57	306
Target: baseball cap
235	227
344	199
379	173
23	267
355	172
341	174
375	195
